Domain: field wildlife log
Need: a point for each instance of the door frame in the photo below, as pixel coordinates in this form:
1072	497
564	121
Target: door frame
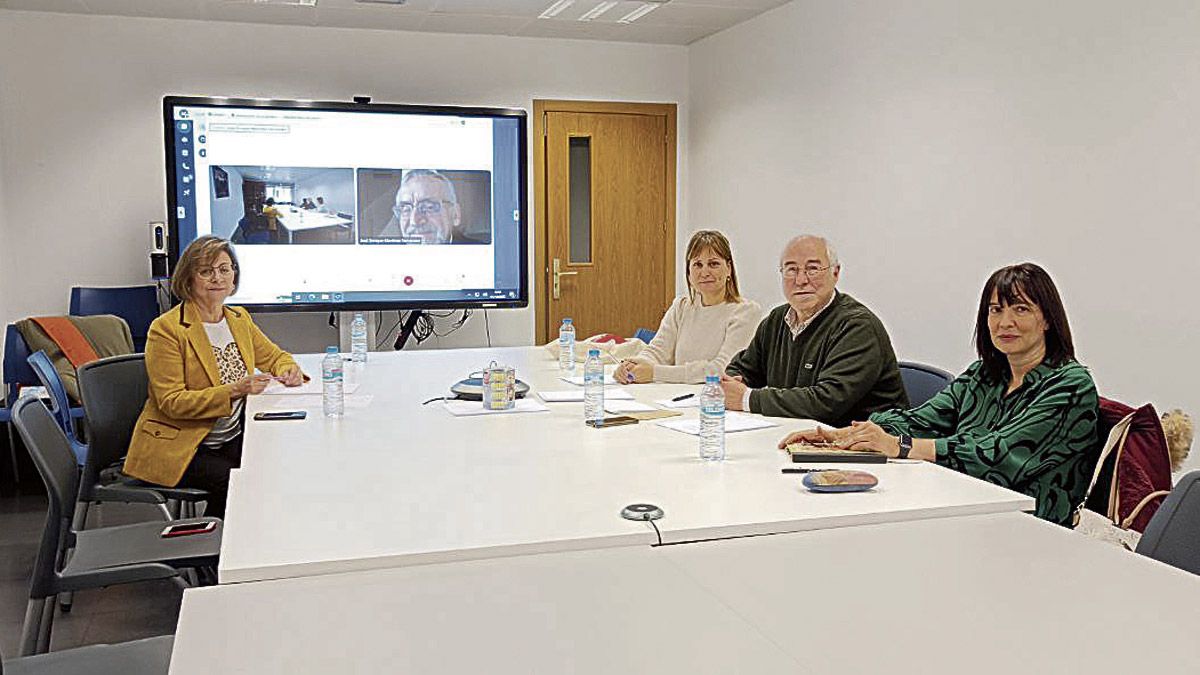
540	287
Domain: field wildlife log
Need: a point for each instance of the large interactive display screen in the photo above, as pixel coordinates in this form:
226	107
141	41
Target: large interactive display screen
341	206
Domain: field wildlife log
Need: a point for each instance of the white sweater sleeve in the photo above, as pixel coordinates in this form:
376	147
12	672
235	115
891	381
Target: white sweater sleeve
738	332
661	350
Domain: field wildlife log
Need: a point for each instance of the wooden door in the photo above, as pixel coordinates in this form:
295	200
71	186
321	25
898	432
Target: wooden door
607	207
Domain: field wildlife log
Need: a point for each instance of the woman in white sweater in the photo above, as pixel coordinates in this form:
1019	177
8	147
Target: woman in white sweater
705	328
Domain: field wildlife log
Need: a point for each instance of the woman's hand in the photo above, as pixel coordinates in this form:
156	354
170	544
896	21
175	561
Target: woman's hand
251	384
869	436
291	376
817	436
630	372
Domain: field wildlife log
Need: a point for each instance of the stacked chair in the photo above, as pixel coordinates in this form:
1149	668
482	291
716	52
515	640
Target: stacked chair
71	559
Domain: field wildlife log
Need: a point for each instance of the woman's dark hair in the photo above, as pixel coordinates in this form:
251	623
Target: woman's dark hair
1025	282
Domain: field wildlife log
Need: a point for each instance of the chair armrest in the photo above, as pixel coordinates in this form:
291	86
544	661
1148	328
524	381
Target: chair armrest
112	576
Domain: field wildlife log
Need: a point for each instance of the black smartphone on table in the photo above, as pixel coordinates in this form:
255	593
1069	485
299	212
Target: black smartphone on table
613	421
281	415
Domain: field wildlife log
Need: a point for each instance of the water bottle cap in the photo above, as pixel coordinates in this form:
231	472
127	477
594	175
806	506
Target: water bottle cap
593	352
331	349
566	319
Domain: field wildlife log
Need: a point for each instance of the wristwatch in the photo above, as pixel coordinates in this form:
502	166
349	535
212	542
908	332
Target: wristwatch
905	446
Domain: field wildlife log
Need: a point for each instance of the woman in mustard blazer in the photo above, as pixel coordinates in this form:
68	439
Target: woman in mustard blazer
201	358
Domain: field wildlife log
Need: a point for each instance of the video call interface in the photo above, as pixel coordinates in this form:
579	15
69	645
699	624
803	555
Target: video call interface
343	206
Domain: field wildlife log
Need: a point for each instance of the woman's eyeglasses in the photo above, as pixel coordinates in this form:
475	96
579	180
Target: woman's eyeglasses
210	273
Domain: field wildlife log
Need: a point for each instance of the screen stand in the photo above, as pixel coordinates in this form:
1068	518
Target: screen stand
407	329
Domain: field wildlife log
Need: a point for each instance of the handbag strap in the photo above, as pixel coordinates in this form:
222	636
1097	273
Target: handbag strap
1116	439
1157	494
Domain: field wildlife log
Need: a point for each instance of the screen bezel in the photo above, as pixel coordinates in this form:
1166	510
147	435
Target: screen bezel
522	299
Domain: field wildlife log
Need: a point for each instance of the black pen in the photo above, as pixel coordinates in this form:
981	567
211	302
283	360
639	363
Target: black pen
685	397
796	469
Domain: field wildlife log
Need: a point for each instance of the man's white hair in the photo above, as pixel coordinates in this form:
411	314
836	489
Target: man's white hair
830	251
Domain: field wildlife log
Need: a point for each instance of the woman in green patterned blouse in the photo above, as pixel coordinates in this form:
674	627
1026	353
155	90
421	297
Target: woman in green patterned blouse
1023	416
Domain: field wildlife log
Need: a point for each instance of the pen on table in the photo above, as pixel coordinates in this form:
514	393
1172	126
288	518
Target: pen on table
796	469
684	397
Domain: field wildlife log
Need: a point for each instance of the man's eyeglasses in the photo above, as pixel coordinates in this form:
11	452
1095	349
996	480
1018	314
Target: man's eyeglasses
210	273
424	207
791	271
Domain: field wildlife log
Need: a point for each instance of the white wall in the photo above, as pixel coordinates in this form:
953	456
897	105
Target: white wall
938	140
81	133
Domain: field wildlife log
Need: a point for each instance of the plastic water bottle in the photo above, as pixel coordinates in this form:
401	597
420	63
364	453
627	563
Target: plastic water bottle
712	420
332	399
593	388
358	339
566	347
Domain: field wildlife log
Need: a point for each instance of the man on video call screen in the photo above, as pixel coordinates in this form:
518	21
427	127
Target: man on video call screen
427	211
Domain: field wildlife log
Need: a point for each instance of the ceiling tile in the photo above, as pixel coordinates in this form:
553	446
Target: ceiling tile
758	6
697	15
528	9
408	6
291	15
45	5
661	34
376	17
162	9
462	23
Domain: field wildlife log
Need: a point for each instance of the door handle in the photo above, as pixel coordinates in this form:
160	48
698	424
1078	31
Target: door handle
557	275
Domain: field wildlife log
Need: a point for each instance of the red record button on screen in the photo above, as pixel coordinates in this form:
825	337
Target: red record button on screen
408	281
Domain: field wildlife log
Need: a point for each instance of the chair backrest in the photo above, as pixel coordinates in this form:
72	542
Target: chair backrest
1173	535
138	305
645	335
114	390
17	372
922	382
60	405
51	452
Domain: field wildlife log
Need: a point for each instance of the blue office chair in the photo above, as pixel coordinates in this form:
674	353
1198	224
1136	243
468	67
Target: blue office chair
645	335
60	405
922	382
16	374
137	305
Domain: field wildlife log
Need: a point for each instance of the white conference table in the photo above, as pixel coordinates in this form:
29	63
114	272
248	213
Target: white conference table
397	483
296	220
999	593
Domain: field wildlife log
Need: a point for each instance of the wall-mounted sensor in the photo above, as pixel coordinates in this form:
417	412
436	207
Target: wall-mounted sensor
641	512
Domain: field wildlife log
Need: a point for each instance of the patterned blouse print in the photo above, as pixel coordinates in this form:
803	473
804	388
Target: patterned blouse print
230	365
1039	440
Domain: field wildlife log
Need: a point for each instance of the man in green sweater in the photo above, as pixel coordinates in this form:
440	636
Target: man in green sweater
822	356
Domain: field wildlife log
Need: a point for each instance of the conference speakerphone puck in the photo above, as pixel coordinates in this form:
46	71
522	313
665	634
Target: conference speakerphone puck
641	512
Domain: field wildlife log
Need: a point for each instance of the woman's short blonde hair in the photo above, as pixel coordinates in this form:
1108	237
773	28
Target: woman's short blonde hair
199	254
711	240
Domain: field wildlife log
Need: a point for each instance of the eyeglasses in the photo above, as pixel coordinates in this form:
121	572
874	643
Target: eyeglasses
791	271
423	207
209	273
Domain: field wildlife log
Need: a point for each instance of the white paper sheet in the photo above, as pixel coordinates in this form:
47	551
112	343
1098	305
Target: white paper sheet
690	402
316	401
733	422
626	406
577	378
576	395
313	386
470	408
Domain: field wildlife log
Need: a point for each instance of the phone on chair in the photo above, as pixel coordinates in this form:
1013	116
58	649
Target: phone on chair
185	529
